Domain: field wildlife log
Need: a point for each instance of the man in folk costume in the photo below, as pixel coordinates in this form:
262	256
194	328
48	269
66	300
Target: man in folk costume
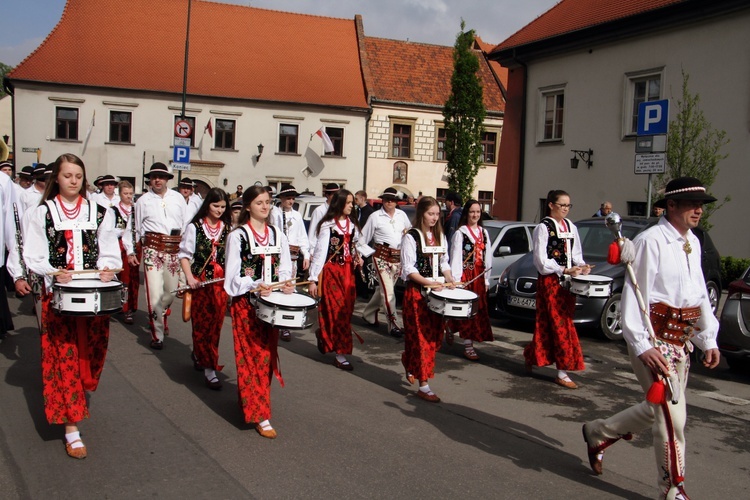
33	195
130	275
107	197
159	220
666	259
386	227
312	232
291	224
187	190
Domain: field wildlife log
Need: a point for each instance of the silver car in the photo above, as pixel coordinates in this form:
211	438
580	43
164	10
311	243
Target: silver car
734	332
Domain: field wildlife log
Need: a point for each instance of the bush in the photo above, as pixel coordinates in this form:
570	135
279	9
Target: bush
732	268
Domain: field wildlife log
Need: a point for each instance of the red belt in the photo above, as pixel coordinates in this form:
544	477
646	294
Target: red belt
672	324
388	254
163	242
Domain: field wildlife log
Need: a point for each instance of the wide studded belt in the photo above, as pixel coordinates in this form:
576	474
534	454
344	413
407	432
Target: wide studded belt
163	242
672	324
388	254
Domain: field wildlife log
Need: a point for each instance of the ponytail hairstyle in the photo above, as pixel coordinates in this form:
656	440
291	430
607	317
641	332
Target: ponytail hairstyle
552	197
247	198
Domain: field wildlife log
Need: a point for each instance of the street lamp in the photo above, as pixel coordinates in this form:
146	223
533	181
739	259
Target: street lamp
585	156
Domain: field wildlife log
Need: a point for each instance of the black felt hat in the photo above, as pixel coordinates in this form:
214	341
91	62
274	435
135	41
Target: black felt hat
684	188
331	188
159	168
390	193
287	190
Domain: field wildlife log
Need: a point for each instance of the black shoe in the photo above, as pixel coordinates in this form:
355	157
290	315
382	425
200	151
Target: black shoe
157	345
214	384
397	332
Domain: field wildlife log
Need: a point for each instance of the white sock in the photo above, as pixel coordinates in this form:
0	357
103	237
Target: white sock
562	374
72	436
425	388
468	343
209	373
265	425
340	358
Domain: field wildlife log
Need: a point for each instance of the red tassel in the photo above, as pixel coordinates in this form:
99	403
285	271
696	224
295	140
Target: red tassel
657	393
613	257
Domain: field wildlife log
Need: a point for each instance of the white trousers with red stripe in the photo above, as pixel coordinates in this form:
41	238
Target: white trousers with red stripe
644	415
384	295
161	272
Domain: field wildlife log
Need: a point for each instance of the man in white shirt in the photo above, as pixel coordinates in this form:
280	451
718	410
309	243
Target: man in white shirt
107	197
33	195
160	217
193	201
291	224
312	231
386	227
666	259
26	177
8	241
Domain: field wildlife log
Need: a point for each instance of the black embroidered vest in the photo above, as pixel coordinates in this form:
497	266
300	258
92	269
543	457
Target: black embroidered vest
334	242
203	248
555	244
424	262
468	249
252	265
58	245
121	220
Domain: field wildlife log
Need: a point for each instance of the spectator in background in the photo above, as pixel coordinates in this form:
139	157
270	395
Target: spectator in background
236	195
364	209
604	210
657	211
453	203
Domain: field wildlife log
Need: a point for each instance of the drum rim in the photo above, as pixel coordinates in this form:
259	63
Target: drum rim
265	301
599	278
455	299
100	285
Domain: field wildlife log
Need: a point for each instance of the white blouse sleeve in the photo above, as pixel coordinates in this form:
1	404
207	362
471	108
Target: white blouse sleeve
320	253
234	284
109	248
487	258
36	246
577	257
187	244
285	261
544	265
408	257
457	254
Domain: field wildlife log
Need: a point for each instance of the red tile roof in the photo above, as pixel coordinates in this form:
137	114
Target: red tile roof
573	15
235	52
420	74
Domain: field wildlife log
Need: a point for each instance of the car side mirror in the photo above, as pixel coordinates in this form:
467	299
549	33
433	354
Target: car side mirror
503	250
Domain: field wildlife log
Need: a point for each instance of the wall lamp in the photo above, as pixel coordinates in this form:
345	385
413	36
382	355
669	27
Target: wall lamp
585	156
260	152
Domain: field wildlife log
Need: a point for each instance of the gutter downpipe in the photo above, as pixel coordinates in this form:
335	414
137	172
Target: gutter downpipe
522	153
367	141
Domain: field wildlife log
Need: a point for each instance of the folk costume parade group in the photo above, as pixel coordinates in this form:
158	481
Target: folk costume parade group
79	255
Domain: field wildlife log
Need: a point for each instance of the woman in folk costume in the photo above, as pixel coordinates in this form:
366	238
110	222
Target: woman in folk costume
471	260
424	263
332	277
257	256
67	233
202	258
130	275
557	255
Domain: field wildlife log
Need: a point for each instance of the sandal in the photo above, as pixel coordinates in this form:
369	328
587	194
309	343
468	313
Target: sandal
343	365
471	354
266	431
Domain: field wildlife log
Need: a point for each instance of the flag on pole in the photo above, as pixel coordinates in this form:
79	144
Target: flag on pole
88	133
327	144
315	164
209	128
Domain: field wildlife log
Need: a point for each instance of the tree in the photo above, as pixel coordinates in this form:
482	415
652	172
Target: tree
4	70
464	114
693	148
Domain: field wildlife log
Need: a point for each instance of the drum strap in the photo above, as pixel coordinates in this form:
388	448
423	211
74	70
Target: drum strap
267	252
436	251
75	226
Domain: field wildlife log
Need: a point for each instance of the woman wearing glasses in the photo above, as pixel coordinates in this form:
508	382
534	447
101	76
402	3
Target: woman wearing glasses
557	257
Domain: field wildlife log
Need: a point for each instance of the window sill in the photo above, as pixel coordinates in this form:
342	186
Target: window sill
119	144
287	154
73	141
226	150
402	158
334	156
550	142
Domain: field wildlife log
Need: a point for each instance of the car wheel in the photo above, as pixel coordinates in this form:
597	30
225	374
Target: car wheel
611	320
713	295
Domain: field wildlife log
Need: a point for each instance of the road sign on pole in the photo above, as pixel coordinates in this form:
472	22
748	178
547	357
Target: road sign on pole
651	163
653	117
182	128
181	157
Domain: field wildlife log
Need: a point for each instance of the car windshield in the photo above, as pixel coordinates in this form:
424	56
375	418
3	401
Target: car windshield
493	232
595	240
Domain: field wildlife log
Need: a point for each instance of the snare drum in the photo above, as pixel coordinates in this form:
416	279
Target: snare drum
591	285
457	303
285	310
88	297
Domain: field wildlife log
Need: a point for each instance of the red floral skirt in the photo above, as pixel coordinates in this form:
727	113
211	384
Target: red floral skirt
423	334
73	353
337	293
131	278
555	339
477	328
255	344
208	307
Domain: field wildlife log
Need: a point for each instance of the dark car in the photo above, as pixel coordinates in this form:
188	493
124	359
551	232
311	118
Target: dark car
516	297
734	331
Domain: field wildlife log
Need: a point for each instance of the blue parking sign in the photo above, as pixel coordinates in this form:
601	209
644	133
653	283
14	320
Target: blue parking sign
653	117
181	154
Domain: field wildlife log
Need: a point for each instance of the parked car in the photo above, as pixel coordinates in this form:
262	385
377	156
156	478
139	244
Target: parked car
734	330
306	205
516	289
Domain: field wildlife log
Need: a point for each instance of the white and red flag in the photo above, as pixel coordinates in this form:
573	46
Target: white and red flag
327	144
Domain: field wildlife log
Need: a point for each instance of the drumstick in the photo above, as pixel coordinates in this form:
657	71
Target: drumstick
279	285
83	271
438	285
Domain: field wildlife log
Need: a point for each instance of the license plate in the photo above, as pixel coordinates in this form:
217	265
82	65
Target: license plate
524	302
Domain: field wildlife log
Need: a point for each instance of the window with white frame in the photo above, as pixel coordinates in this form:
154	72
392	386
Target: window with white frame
641	86
402	132
552	114
288	138
225	130
336	134
66	123
440	154
489	147
120	123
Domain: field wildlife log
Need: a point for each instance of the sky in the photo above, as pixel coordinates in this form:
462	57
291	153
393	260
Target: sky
25	23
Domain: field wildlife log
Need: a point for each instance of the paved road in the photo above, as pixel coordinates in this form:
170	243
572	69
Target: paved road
156	431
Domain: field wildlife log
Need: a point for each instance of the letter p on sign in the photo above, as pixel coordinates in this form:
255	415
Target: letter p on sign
653	117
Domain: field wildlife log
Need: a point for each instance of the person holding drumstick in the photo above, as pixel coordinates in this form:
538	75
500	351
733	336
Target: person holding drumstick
334	260
67	234
257	256
202	253
130	275
557	257
471	261
420	269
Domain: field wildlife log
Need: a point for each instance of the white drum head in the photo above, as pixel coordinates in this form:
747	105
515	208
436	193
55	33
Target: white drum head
88	285
593	278
289	300
458	294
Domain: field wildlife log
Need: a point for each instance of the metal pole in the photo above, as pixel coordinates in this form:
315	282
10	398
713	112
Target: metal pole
185	75
648	201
